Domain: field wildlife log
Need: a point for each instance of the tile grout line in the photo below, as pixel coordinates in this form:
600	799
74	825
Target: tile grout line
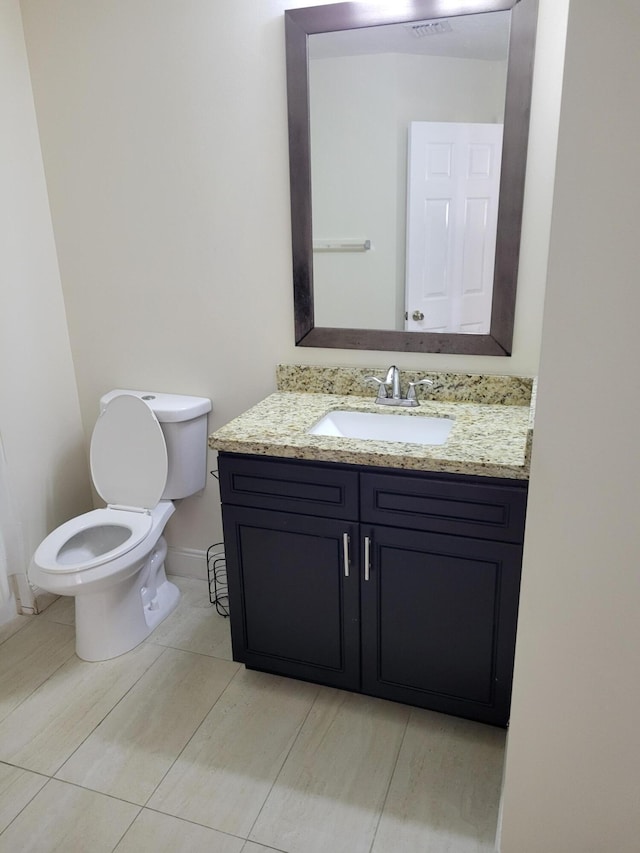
26	805
134	684
99	723
135	818
144	805
391	775
17	631
284	760
188	651
265	846
51	779
31	799
195	823
37	687
140	808
146	641
195	731
24	769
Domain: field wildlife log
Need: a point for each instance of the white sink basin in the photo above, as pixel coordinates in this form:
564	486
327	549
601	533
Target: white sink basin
375	426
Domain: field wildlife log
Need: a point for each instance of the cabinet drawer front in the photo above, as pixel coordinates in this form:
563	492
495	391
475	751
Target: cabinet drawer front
440	505
289	486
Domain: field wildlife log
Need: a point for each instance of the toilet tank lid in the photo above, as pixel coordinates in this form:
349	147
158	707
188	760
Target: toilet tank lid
168	408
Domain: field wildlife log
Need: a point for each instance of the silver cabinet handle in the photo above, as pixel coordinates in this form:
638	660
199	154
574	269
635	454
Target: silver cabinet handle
345	553
367	545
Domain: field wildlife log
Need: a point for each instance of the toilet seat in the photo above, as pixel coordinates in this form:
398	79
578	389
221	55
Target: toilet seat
129	467
73	548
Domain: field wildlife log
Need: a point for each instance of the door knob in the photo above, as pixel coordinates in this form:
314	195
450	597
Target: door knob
417	315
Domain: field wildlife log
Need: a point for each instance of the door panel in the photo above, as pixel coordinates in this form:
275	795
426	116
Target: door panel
299	611
452	209
438	621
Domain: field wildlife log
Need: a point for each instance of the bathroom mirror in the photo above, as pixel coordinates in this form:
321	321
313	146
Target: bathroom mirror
358	39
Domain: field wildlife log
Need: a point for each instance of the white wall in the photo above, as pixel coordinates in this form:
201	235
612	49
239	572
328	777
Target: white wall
39	411
573	758
164	132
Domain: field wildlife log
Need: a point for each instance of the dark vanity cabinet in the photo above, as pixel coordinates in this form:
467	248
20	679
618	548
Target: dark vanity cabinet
402	585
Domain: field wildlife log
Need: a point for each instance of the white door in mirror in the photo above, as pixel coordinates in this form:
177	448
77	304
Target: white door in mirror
371	426
453	192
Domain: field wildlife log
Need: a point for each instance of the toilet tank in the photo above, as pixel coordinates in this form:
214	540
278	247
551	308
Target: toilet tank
183	420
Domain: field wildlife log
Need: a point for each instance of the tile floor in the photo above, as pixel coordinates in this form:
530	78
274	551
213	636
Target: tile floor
174	747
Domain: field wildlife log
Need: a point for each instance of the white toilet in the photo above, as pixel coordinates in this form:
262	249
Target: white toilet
147	449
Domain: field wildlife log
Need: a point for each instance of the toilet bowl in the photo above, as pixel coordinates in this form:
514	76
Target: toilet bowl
147	450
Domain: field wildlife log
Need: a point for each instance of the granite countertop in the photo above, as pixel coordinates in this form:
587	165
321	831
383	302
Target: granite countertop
487	439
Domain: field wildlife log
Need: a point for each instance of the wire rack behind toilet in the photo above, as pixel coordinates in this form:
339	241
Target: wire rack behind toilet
217	573
217	576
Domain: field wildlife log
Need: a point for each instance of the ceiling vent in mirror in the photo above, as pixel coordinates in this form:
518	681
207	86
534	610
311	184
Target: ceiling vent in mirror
429	28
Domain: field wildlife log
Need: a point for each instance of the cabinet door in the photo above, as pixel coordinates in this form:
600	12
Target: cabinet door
439	620
294	601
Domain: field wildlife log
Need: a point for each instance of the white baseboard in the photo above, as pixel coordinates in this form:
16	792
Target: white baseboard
25	594
31	599
187	563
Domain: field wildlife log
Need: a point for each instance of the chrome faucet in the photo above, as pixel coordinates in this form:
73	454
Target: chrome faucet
393	379
392	383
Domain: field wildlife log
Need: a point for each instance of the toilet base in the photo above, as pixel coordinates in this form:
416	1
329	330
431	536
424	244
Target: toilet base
115	620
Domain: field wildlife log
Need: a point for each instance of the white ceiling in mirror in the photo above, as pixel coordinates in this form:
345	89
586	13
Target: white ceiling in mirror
482	36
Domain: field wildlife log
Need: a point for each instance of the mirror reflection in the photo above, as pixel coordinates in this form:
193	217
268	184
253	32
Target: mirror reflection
405	149
333	312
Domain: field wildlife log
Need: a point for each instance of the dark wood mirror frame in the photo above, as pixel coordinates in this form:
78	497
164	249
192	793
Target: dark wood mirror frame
299	24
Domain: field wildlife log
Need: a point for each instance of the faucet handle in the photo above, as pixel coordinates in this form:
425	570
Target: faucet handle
382	385
411	393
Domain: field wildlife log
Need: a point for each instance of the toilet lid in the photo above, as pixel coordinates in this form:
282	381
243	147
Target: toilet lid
128	456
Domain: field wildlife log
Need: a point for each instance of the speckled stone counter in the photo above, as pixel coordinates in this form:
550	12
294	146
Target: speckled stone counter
446	388
487	439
